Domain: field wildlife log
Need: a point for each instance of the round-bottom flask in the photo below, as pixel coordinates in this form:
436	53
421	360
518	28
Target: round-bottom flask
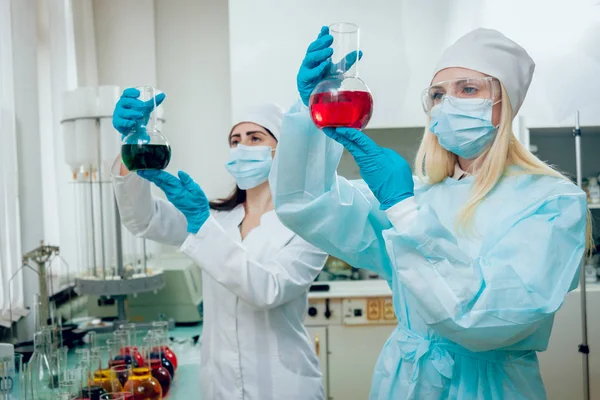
341	102
143	385
161	374
145	150
146	147
171	356
165	361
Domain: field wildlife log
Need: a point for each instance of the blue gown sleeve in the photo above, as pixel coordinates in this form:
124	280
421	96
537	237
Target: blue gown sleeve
340	217
519	279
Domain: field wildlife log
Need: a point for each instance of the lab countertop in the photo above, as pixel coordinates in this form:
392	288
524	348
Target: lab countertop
379	288
350	289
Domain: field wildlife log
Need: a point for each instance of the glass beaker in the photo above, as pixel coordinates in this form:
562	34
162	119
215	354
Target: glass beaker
342	99
122	338
93	380
117	356
158	371
132	349
120	373
145	147
162	329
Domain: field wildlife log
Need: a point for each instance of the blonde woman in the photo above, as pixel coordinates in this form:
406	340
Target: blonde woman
479	250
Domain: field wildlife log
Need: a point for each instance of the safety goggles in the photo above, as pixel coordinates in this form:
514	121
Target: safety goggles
477	89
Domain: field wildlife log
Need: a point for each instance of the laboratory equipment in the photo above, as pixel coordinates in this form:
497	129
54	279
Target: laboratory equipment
11	372
93	381
159	372
43	374
122	373
594	190
132	349
342	99
141	382
146	147
92	392
161	330
7	367
158	352
119	354
180	299
116	396
583	347
18	378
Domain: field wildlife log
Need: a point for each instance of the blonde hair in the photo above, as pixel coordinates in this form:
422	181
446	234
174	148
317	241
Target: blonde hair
434	164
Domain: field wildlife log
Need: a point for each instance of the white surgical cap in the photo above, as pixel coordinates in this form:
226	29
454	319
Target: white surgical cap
490	52
269	115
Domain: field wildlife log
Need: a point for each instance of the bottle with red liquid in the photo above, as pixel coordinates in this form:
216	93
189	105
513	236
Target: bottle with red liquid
159	372
162	327
342	99
159	351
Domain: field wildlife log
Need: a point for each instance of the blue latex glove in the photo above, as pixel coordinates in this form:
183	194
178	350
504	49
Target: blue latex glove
129	110
183	193
387	174
317	64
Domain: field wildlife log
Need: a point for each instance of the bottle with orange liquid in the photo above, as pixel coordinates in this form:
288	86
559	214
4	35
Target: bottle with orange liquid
141	382
342	99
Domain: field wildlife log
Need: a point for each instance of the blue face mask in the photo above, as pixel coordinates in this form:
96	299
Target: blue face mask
463	126
249	165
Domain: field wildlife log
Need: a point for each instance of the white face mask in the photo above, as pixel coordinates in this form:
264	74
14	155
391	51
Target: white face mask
250	165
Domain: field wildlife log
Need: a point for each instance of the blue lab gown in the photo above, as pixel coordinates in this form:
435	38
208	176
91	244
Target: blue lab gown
473	310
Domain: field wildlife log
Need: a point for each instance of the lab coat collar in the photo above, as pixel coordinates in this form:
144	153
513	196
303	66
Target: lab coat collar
270	224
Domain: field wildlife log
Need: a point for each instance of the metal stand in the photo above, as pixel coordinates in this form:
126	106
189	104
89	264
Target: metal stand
583	347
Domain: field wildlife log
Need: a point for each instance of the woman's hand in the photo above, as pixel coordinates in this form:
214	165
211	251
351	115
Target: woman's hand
387	174
315	65
183	193
129	110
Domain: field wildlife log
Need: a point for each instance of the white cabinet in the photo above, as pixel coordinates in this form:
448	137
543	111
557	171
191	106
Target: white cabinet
318	335
349	326
353	353
561	364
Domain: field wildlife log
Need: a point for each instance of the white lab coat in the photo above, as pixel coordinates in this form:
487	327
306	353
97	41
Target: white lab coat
254	345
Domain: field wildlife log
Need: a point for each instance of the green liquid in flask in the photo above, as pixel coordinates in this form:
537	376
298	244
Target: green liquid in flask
145	156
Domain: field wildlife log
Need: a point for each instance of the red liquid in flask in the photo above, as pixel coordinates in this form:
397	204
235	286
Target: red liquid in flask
351	109
161	374
171	356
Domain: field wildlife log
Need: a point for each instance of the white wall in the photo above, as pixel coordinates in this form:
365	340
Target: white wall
25	70
182	48
563	38
125	42
192	48
402	40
